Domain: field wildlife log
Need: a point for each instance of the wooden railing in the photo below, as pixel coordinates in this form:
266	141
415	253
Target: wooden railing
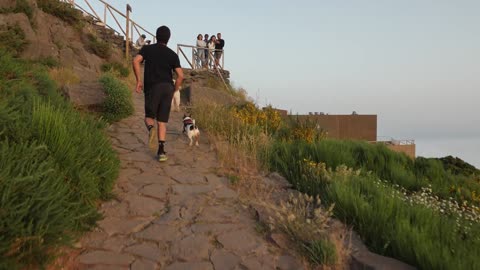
126	25
196	53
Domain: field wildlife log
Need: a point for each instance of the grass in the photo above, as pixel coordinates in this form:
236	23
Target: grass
21	6
118	102
12	39
98	46
118	68
379	192
55	164
388	224
391	166
62	10
63	76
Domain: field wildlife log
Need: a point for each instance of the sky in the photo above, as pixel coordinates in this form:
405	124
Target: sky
414	63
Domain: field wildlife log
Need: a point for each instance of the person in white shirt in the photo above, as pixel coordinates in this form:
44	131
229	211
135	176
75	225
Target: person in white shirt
200	59
211	50
140	42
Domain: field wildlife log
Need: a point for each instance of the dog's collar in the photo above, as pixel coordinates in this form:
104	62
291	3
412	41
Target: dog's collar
188	121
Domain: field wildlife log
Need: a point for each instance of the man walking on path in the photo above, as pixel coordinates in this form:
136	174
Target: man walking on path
160	61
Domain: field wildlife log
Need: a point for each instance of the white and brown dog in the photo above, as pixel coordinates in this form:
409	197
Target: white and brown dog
190	129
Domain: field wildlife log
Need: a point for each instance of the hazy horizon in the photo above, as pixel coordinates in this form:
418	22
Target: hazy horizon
414	63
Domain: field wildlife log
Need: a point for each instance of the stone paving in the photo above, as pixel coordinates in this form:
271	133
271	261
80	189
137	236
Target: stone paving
177	215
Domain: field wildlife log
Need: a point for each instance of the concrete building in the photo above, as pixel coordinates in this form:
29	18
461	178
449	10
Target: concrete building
358	127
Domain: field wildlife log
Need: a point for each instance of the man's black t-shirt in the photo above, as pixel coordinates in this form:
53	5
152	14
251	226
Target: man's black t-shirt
160	61
220	44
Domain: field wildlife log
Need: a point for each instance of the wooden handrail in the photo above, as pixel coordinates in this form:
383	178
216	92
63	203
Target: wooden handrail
194	55
106	6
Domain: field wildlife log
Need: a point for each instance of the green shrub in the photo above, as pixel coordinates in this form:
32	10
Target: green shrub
61	10
49	61
98	46
116	67
118	102
55	163
22	6
12	39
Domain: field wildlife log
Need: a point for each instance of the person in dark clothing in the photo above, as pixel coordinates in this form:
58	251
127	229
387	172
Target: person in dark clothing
206	50
219	44
160	62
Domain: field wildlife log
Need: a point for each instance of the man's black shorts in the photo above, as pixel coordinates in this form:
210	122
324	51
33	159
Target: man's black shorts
158	101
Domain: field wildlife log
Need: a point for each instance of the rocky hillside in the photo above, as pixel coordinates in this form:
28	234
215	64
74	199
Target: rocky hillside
48	36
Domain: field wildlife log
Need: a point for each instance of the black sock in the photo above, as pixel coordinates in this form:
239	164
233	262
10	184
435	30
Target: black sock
161	145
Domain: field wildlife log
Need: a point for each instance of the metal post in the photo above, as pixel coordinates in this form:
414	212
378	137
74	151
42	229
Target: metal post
105	15
127	38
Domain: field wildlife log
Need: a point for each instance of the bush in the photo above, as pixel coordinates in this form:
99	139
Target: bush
116	67
98	46
21	6
118	102
61	10
54	165
12	39
49	61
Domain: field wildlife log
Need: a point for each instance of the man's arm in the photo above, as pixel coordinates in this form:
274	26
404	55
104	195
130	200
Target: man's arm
137	60
178	82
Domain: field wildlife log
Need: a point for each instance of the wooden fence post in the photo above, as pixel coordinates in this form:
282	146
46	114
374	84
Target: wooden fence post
127	38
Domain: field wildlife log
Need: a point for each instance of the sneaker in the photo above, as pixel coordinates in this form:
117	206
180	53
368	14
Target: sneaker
162	157
152	139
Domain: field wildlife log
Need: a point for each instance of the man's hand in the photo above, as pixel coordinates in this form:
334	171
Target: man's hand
139	87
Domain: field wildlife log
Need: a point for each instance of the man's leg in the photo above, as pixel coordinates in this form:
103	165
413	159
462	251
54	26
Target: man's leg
163	114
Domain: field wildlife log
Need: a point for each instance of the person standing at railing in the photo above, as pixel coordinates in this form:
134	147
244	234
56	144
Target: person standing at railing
206	50
219	44
211	50
200	60
140	42
160	62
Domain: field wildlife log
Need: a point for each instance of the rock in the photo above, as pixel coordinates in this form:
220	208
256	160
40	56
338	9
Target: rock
224	260
287	262
226	193
192	248
159	233
190	266
218	214
215	228
146	250
117	243
188	177
141	264
276	179
369	260
280	240
144	206
240	241
86	94
105	257
114	225
158	191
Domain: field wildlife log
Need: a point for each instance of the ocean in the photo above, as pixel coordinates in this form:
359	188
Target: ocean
466	148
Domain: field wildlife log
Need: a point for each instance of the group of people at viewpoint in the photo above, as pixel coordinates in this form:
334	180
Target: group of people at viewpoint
211	55
158	84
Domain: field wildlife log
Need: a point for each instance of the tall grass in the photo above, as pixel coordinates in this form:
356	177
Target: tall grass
387	223
55	163
388	165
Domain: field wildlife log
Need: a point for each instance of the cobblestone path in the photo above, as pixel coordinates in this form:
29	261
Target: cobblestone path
174	215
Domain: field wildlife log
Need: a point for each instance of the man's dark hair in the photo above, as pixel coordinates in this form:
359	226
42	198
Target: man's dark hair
163	34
